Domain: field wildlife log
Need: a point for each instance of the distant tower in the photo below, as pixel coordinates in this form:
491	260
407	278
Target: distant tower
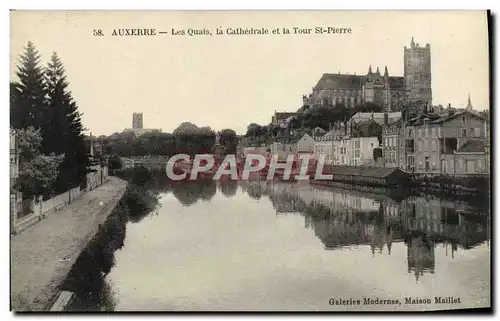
469	104
137	120
417	72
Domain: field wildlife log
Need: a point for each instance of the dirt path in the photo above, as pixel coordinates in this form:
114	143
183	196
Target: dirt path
43	254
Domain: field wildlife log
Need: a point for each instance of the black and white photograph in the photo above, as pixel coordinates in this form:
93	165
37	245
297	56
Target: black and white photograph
250	161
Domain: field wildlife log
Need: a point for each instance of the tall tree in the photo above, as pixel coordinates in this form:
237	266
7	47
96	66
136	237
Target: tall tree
57	101
63	130
27	95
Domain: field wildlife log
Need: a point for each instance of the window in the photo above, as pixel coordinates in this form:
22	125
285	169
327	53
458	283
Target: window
427	167
443	165
479	166
463	132
434	132
356	144
426	131
410	163
434	147
464	120
477	132
356	153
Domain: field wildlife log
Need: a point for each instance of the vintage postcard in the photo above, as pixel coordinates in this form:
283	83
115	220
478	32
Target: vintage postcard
250	161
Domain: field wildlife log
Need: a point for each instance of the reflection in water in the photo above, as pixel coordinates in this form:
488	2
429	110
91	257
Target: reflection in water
228	187
345	218
87	276
412	230
190	192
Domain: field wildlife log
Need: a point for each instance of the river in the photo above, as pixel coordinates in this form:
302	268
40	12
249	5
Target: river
264	246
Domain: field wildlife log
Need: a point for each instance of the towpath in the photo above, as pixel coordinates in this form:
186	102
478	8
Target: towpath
43	254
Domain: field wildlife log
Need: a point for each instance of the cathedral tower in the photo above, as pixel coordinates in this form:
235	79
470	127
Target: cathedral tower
417	72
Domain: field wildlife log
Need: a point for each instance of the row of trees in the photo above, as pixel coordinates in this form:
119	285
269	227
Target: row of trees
45	117
187	138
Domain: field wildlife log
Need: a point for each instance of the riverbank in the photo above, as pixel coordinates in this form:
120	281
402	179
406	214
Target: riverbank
43	254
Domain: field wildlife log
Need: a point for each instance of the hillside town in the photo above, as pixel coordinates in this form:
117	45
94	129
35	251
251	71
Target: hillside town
409	132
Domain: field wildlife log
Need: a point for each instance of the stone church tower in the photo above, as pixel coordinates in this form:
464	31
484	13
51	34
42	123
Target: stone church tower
417	72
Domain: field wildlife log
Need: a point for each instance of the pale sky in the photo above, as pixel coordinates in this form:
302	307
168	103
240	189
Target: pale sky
231	81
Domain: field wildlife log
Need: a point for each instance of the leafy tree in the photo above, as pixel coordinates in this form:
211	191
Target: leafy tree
253	130
37	172
229	140
114	163
27	95
367	129
191	139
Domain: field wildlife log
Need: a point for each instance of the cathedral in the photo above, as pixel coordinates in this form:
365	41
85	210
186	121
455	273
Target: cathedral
382	89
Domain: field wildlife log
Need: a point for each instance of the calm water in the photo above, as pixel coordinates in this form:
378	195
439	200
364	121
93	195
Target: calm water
284	246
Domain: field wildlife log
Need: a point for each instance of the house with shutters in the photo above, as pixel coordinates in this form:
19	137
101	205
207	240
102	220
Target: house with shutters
447	143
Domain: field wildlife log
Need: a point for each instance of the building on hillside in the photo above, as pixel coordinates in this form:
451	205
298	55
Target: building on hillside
361	149
323	147
470	158
305	144
263	150
342	151
391	135
375	87
339	147
283	149
326	145
379	118
282	118
438	144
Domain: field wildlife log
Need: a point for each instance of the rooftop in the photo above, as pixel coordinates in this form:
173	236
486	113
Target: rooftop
472	146
334	81
283	115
